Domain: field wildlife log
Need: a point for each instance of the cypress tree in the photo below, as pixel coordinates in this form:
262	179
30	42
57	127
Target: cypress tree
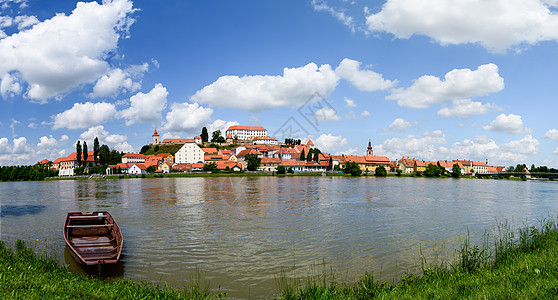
78	153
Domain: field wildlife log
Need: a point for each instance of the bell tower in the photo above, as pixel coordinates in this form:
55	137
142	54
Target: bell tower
155	137
369	151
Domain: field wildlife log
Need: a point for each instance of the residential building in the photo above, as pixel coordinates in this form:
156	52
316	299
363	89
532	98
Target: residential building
406	165
246	132
133	158
137	169
178	141
189	153
264	140
198	139
269	164
167	158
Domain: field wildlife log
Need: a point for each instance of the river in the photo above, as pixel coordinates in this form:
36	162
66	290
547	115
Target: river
240	232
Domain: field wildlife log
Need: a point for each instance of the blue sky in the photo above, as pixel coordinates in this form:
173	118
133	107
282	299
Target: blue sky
425	79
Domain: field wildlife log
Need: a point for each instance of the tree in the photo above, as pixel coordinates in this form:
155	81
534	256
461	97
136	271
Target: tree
380	171
155	149
204	135
78	153
253	162
352	168
398	172
290	170
215	136
281	170
432	171
456	171
96	150
85	153
150	169
104	154
511	169
210	167
144	149
302	156
520	168
115	157
533	168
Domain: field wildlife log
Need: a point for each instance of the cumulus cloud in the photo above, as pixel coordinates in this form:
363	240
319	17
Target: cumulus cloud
10	86
555	151
24	22
464	108
552	134
84	115
496	25
146	107
17	153
47	142
330	143
257	93
187	117
364	80
349	102
364	114
399	124
64	138
457	84
506	123
116	141
65	51
423	147
326	114
221	125
338	14
118	80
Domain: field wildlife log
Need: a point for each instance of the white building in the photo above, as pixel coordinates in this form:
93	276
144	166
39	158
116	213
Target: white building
189	153
133	158
137	169
246	132
264	140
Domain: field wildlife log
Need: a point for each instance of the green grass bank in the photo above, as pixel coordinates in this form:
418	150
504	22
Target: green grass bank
509	265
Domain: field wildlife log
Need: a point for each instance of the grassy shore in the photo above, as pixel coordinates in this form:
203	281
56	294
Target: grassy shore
522	266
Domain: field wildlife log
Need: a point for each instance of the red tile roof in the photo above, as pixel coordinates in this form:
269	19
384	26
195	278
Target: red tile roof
270	160
182	167
238	127
263	138
210	150
177	141
248	151
156	133
133	155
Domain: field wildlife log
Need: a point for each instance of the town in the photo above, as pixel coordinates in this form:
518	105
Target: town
250	148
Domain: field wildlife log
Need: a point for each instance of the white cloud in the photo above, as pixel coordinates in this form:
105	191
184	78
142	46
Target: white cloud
364	114
338	14
115	141
350	151
146	107
186	117
555	151
64	138
257	93
118	80
10	86
482	148
220	125
326	114
24	22
457	84
65	51
364	80
329	143
506	123
84	115
20	146
552	134
349	102
423	147
496	25
47	142
4	146
465	108
399	124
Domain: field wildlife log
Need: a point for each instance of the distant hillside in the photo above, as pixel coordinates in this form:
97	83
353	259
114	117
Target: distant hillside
161	148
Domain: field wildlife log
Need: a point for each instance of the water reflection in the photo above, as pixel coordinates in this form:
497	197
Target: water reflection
241	231
20	210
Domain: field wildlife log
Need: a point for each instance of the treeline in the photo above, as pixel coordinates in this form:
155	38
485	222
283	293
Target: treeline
26	173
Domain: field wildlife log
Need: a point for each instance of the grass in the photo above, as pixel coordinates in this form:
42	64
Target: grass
525	267
522	266
24	275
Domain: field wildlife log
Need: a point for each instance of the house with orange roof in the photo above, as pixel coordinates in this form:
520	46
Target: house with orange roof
185	167
448	165
269	164
369	163
178	141
302	166
310	144
480	167
197	167
406	165
167	157
164	167
137	169
229	139
43	162
420	165
189	153
66	165
264	140
210	151
197	139
246	132
133	158
500	169
231	165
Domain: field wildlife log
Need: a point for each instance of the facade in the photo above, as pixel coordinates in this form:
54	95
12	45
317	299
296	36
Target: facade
480	167
406	165
198	139
133	158
137	169
269	164
189	153
155	137
264	140
246	132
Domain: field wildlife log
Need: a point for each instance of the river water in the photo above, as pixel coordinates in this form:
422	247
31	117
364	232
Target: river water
241	232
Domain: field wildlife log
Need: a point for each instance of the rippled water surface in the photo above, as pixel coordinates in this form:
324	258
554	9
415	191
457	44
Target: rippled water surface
242	231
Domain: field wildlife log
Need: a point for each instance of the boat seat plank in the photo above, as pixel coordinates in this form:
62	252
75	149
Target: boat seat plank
94	245
87	239
89	226
87	217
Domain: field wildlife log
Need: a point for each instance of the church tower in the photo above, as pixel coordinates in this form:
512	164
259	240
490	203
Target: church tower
369	152
155	137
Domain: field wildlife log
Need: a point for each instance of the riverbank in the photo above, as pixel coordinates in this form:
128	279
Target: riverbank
522	267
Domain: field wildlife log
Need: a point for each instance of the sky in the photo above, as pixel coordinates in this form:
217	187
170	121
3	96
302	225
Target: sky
425	79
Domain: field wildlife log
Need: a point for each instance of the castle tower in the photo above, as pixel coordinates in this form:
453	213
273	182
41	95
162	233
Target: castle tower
369	151
155	138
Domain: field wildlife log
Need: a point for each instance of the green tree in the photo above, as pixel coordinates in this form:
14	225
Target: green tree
85	153
253	162
210	167
520	168
432	171
398	172
150	169
144	149
204	135
104	154
96	150
456	171
290	170
302	156
215	136
115	157
281	170
533	168
352	168
380	171
155	149
78	153
511	169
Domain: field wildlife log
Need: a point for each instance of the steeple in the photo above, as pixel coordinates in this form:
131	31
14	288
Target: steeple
369	151
155	137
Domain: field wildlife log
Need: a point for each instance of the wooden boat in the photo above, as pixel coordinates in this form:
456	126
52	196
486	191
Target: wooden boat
93	239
